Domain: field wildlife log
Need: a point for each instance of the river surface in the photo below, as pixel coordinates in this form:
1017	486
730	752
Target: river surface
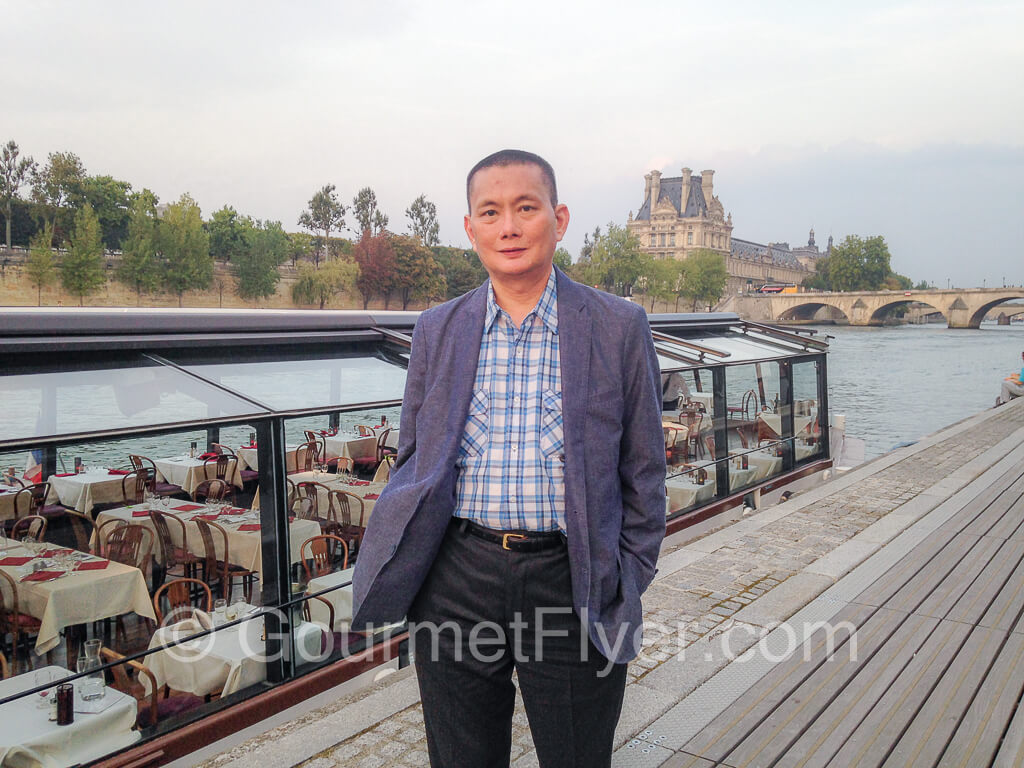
900	383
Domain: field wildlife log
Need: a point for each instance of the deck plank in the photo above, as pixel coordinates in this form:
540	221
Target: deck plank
973	556
989	715
979	514
996	598
992	521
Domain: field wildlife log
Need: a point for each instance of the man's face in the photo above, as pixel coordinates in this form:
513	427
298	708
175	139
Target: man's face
512	224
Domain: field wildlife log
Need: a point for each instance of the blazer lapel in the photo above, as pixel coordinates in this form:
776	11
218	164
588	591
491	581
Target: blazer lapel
574	331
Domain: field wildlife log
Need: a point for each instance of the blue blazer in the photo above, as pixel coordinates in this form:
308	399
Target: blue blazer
614	461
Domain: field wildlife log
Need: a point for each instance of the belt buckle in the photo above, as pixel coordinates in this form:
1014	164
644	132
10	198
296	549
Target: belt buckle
506	536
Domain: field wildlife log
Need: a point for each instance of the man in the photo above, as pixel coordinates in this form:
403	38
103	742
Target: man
1013	386
525	510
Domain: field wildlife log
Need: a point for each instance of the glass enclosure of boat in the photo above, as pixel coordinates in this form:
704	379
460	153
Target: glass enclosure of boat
184	494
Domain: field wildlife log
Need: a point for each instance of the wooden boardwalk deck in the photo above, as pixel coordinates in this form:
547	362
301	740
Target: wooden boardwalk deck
932	676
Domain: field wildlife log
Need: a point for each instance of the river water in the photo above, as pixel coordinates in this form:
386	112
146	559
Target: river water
900	383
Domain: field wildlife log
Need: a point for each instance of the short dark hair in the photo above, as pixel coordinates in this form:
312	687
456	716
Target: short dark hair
506	157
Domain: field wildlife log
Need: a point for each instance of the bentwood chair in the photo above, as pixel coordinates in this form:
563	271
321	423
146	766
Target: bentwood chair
305	455
178	598
246	475
213	490
12	621
369	464
217	467
171	556
31	500
159	487
152	707
323	552
33	526
83	529
129	544
221	572
346	518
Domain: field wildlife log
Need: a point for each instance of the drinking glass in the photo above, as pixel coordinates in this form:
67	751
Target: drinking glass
45	677
220	607
236	608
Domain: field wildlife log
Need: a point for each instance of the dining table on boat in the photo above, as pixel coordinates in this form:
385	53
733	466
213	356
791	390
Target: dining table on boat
29	738
350	445
773	421
248	457
189	472
241	526
224	661
82	490
96	589
339	598
7	510
366	490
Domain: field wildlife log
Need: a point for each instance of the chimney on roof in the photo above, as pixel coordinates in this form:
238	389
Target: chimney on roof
647	188
655	189
707	185
685	196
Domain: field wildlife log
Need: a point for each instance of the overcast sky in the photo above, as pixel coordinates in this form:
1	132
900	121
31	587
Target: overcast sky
895	118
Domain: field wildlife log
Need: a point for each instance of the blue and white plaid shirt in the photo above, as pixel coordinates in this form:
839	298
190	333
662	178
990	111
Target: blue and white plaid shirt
511	460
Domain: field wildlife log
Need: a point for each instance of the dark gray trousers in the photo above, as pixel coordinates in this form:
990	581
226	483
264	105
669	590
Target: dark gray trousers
484	611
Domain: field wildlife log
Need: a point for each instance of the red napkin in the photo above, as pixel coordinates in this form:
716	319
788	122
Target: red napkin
291	518
208	455
360	482
52	552
372	496
15	560
65	474
188	507
118	471
209	518
249	527
93	565
235	511
249	446
42	576
140	513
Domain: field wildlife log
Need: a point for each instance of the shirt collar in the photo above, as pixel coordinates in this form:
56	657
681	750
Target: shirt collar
546	309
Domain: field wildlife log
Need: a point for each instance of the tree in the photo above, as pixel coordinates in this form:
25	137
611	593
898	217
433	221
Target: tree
41	267
422	215
563	259
81	269
325	214
418	276
318	286
255	265
704	277
300	245
462	270
227	231
376	260
368	215
13	173
110	198
184	248
588	243
661	281
140	264
615	261
57	186
856	264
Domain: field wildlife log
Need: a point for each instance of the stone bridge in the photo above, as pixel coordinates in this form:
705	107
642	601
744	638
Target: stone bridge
962	308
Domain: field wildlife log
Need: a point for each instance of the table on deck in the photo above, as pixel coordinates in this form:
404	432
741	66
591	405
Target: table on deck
938	668
188	472
85	489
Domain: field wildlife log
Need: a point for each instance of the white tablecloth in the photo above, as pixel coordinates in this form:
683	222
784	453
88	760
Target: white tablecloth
227	660
765	463
333	482
774	422
248	458
188	473
83	490
683	492
7	502
341	598
78	598
29	739
244	547
351	446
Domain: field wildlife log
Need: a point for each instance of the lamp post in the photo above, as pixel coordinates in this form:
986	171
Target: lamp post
947	283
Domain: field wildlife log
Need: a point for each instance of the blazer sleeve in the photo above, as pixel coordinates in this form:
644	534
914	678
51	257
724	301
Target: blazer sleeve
641	456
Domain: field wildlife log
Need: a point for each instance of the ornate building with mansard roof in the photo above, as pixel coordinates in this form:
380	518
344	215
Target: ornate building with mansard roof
681	214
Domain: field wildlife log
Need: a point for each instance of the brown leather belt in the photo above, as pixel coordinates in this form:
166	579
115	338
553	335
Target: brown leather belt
514	541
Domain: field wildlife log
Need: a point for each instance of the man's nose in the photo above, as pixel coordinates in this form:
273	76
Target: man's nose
509	225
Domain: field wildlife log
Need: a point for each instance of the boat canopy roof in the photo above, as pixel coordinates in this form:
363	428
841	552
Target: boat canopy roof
76	374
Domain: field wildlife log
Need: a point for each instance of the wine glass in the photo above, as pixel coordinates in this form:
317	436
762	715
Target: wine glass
235	608
45	676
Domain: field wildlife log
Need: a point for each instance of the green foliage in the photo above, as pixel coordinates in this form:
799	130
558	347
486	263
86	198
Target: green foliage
265	249
184	248
462	270
300	246
377	267
418	276
369	217
318	286
615	262
227	231
325	214
662	281
563	259
422	215
41	266
922	286
57	188
13	173
81	269
110	198
856	264
704	277
140	265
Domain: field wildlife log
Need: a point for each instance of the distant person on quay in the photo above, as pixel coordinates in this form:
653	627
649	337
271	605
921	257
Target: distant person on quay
1013	386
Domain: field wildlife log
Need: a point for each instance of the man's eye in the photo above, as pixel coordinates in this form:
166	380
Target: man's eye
489	212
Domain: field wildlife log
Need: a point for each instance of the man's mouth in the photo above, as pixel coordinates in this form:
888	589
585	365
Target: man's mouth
513	251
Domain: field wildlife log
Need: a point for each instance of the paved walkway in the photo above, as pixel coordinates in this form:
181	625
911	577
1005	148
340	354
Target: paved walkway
712	600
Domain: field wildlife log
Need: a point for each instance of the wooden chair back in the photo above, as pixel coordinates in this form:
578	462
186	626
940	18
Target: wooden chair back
382	447
709	441
222	449
103	530
305	454
10	611
135	484
162	523
213	490
341	508
83	529
129	544
30	499
33	526
180	596
302	508
148	703
363	430
218	465
327	603
311	490
214	569
323	551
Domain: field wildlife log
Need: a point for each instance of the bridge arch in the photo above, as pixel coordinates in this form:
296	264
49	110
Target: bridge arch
879	315
805	312
984	309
